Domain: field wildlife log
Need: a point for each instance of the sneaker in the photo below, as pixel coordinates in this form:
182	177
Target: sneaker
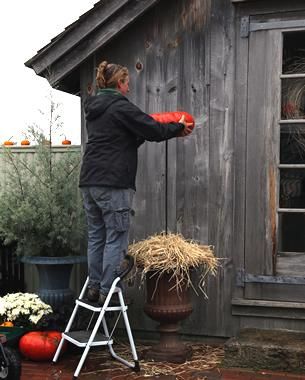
93	294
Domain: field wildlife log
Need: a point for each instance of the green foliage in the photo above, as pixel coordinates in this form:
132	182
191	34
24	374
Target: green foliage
40	205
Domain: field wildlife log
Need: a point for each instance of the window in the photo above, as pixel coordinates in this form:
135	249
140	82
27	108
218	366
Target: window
291	239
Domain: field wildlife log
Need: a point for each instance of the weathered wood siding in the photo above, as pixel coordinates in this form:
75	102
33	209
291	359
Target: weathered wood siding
257	83
31	275
184	185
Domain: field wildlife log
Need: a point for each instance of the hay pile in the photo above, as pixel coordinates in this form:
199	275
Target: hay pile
171	253
100	365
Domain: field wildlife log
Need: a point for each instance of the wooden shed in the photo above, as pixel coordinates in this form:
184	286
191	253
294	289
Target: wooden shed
238	182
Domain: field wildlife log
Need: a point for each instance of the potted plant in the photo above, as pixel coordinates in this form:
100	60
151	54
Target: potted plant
25	310
167	262
41	211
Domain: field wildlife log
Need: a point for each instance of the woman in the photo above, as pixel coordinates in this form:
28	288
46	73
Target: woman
116	128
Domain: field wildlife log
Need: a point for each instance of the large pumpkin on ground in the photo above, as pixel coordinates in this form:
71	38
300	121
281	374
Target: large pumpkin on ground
40	345
172	117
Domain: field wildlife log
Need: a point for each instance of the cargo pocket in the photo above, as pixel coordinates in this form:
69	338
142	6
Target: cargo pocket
121	220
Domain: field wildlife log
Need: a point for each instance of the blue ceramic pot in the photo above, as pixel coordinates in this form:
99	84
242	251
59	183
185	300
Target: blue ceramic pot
54	278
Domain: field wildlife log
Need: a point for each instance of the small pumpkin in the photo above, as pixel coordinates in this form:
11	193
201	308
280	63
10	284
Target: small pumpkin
66	142
7	324
25	142
8	143
173	117
40	345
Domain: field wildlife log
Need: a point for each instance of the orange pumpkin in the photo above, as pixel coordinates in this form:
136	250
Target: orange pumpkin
25	142
173	117
40	345
8	143
66	142
7	324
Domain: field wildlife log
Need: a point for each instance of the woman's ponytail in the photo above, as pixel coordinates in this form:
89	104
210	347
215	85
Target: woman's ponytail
108	74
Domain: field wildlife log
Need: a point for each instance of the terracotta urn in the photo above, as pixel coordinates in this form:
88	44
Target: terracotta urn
167	305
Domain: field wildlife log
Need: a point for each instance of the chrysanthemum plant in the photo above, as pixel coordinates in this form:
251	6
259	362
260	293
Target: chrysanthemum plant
23	310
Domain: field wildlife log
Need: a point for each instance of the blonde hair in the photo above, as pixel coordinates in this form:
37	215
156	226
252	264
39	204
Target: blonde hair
108	74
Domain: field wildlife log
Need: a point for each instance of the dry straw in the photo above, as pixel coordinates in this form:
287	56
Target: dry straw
171	253
204	358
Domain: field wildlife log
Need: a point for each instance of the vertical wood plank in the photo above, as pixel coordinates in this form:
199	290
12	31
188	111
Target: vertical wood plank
193	150
220	212
262	147
240	146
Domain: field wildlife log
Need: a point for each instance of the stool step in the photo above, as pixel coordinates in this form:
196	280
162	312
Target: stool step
80	338
83	337
95	307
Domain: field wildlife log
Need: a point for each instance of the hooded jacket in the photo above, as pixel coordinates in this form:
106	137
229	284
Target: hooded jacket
116	128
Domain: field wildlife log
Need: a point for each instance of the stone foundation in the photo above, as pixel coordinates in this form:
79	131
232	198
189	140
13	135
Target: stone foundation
280	350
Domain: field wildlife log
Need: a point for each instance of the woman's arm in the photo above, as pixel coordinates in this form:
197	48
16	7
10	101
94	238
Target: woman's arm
144	126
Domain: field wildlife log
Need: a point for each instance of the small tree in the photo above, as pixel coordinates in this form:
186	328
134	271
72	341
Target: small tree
40	205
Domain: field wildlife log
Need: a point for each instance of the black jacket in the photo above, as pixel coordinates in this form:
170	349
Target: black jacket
116	127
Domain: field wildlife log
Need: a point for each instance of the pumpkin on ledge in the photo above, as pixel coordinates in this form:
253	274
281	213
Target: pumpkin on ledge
8	143
25	142
66	142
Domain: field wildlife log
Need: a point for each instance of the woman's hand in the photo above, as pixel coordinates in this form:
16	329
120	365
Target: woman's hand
187	127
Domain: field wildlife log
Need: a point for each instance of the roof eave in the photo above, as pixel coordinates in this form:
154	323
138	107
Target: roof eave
82	38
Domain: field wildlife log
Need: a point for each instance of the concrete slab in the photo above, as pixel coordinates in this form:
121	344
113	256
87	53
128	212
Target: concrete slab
280	350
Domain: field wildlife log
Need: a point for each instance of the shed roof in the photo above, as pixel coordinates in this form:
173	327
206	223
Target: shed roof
59	60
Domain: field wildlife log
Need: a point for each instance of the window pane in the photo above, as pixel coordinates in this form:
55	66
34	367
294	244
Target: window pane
293	98
292	148
291	264
292	192
292	232
294	53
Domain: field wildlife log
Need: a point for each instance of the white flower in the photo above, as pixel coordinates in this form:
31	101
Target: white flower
2	306
34	318
25	305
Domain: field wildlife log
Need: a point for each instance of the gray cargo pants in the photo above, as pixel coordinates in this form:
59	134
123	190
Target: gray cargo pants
108	219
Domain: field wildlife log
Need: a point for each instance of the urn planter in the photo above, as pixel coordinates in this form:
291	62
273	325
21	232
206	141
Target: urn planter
167	305
54	278
168	261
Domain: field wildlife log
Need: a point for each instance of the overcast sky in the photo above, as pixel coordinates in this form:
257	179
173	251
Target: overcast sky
26	27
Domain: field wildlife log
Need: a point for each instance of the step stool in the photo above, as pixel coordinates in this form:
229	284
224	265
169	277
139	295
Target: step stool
89	338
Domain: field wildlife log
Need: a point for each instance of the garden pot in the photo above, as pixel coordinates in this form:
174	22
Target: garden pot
169	306
54	278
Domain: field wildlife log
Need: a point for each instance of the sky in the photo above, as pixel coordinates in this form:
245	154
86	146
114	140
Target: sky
26	27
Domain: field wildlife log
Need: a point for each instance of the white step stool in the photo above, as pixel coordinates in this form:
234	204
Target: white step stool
89	338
